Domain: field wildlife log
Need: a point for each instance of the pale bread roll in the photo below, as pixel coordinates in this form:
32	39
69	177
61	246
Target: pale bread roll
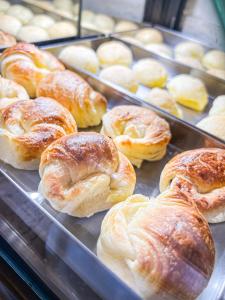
161	49
87	17
190	61
43	21
125	26
217	72
218	107
214	124
22	13
214	59
131	40
189	49
10	24
4	6
63	4
31	34
104	23
149	35
62	29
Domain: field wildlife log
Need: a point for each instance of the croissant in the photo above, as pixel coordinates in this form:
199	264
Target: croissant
27	65
162	248
83	173
6	39
86	105
137	132
28	127
200	176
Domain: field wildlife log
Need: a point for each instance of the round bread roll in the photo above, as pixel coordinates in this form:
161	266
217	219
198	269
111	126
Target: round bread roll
104	23
45	4
120	75
214	125
80	57
9	24
131	40
114	53
188	91
87	17
86	105
162	248
82	174
161	49
164	100
6	39
214	59
190	61
27	65
42	21
189	49
150	72
4	6
218	107
63	4
217	72
62	29
22	13
137	132
149	35
125	26
31	34
198	175
28	127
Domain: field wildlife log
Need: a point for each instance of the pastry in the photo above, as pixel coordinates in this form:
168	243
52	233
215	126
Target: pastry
114	53
27	65
214	59
104	23
162	248
189	49
189	61
31	34
217	72
120	75
149	35
198	175
218	106
82	174
6	39
150	72
86	105
28	127
43	21
9	24
137	132
4	6
125	26
161	49
63	4
62	29
87	17
214	125
80	57
22	13
164	100
11	92
188	91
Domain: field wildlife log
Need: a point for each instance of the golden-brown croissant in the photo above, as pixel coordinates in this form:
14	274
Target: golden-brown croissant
137	132
27	65
199	175
28	127
86	105
84	173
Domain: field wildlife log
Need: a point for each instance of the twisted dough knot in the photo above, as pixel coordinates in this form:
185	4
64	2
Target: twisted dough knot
84	173
198	175
137	132
27	65
161	248
28	127
73	92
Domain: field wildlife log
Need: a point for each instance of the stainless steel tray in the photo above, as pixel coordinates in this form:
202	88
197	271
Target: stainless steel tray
74	240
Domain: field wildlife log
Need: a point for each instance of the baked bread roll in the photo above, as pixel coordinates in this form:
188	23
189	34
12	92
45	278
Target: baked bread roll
188	91
162	248
22	13
199	175
104	23
28	127
217	72
10	24
62	29
86	105
11	92
4	6
131	40
31	34
114	53
87	17
125	26
80	57
214	59
150	72
27	65
214	125
120	75
161	49
149	35
189	49
137	132
82	174
43	21
6	39
63	4
164	100
190	61
218	107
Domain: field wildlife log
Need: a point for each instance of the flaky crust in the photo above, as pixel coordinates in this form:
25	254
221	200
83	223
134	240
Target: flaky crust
162	248
137	132
200	176
28	127
84	173
27	65
6	39
73	92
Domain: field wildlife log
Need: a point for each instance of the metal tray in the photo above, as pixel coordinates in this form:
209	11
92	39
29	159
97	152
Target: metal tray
74	240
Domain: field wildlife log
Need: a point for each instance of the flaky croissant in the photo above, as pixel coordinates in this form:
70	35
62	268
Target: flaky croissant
137	132
199	175
28	127
83	173
162	248
86	105
27	65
